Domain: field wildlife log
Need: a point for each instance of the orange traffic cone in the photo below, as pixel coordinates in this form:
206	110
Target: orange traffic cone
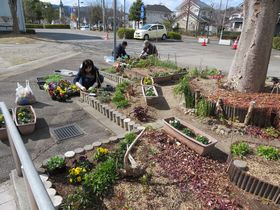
234	46
204	43
106	36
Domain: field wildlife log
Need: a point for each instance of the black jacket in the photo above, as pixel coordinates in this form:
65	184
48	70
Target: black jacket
120	51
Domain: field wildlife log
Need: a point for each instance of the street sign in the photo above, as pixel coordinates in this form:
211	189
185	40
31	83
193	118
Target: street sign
142	15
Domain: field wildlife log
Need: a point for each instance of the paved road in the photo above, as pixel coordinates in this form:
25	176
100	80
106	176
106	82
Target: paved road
186	53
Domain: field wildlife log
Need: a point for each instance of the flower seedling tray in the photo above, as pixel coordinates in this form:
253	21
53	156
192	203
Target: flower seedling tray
28	128
195	145
150	100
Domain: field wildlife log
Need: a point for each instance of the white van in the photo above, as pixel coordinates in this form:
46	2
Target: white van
151	31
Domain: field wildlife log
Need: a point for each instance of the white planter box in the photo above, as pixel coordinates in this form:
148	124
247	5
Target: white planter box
225	42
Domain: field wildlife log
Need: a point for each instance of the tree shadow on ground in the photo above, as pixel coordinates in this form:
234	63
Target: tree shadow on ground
40	105
66	36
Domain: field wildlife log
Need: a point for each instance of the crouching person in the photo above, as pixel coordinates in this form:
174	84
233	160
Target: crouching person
88	76
149	49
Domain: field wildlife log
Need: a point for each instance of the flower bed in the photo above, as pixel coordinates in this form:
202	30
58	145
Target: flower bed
25	119
191	136
150	94
3	130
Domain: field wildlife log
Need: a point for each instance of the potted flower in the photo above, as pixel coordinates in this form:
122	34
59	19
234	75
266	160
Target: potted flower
150	94
25	119
147	81
189	135
56	165
159	77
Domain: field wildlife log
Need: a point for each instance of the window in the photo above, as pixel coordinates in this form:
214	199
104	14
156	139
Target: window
154	27
160	27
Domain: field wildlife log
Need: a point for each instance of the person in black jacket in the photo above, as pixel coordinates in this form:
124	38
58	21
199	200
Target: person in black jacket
120	50
88	76
149	49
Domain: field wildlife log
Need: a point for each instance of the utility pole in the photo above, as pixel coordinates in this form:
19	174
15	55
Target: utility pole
114	28
103	15
222	30
78	14
124	14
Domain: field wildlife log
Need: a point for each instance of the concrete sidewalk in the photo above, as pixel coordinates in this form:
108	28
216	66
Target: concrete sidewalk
7	196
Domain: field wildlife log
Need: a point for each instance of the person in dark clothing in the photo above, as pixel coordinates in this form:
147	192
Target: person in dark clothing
149	49
120	50
88	76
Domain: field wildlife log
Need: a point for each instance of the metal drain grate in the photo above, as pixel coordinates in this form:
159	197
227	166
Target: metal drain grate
66	132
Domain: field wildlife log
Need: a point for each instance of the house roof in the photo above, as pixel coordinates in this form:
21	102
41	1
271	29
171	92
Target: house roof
199	3
157	8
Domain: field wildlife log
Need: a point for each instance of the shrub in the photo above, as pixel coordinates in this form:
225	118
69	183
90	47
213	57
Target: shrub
50	26
202	108
174	35
188	132
231	35
240	149
127	32
118	99
268	152
271	132
276	43
30	31
55	162
101	179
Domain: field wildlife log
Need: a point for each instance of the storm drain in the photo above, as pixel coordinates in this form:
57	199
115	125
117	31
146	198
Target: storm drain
66	132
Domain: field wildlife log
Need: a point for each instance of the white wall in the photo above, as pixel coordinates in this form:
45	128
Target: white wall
5	11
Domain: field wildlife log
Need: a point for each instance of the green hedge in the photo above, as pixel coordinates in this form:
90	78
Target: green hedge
129	33
231	35
30	31
276	43
52	26
174	35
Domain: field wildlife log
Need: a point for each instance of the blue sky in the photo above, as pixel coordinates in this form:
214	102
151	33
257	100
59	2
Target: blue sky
171	4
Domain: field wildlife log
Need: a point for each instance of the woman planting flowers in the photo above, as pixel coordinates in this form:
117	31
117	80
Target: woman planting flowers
88	76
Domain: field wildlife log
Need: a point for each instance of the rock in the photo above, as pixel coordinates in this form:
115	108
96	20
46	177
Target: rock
44	177
57	201
113	138
214	127
88	147
51	192
47	184
222	132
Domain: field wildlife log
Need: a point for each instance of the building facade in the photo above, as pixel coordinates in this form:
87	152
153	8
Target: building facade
157	13
6	21
193	15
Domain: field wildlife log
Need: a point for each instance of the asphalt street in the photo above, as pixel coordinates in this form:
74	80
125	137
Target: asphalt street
187	53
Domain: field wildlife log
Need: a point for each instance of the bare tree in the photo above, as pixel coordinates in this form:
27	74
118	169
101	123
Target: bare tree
249	68
13	8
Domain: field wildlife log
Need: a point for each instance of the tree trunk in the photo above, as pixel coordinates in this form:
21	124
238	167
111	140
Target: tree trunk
249	68
13	8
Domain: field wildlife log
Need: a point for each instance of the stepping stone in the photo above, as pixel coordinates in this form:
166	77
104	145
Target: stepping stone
69	154
79	150
47	184
105	141
44	177
45	162
96	144
120	136
51	192
88	147
113	138
57	201
240	164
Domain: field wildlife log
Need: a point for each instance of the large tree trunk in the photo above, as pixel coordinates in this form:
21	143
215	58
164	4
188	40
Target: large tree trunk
249	68
13	8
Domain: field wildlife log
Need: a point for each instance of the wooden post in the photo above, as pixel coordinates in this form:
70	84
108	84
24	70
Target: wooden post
196	98
219	107
250	112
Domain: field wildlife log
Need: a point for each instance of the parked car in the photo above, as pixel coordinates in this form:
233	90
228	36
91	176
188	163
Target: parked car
151	31
85	28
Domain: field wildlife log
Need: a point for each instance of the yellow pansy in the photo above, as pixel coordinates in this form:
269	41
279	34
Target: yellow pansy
79	179
71	180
